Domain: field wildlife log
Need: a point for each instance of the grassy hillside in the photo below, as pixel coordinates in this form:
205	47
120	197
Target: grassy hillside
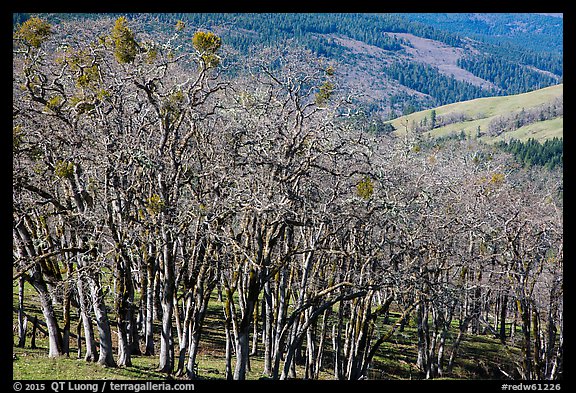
482	111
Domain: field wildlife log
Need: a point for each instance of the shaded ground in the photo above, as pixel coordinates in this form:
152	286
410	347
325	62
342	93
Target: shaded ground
480	357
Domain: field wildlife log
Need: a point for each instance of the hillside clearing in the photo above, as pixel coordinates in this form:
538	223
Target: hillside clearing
482	111
441	56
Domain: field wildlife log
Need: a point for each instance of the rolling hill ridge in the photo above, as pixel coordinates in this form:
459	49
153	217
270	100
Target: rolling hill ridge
537	114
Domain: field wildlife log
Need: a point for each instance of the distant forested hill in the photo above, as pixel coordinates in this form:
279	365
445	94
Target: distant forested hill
522	38
399	62
535	32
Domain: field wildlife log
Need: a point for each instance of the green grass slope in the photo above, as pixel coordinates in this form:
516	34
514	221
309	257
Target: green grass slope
479	356
480	112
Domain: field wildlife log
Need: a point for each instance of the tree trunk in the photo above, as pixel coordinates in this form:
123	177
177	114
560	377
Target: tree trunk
537	369
123	285
91	355
267	328
278	345
192	366
524	311
184	342
254	349
40	285
79	339
503	312
54	337
358	338
200	309
34	328
132	328
463	327
243	342
336	347
551	329
440	358
320	352
106	355
178	315
310	349
66	323
423	339
22	319
167	302
166	338
150	301
124	358
229	345
156	304
242	353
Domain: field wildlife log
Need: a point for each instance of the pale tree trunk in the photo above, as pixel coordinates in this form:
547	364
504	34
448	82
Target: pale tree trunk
280	303
22	319
149	304
66	313
310	349
124	358
37	280
229	326
79	339
91	351
423	362
440	357
277	345
267	328
558	363
185	340
443	321
67	300
356	336
178	315
166	338
101	316
191	367
289	370
363	348
54	337
123	311
167	302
